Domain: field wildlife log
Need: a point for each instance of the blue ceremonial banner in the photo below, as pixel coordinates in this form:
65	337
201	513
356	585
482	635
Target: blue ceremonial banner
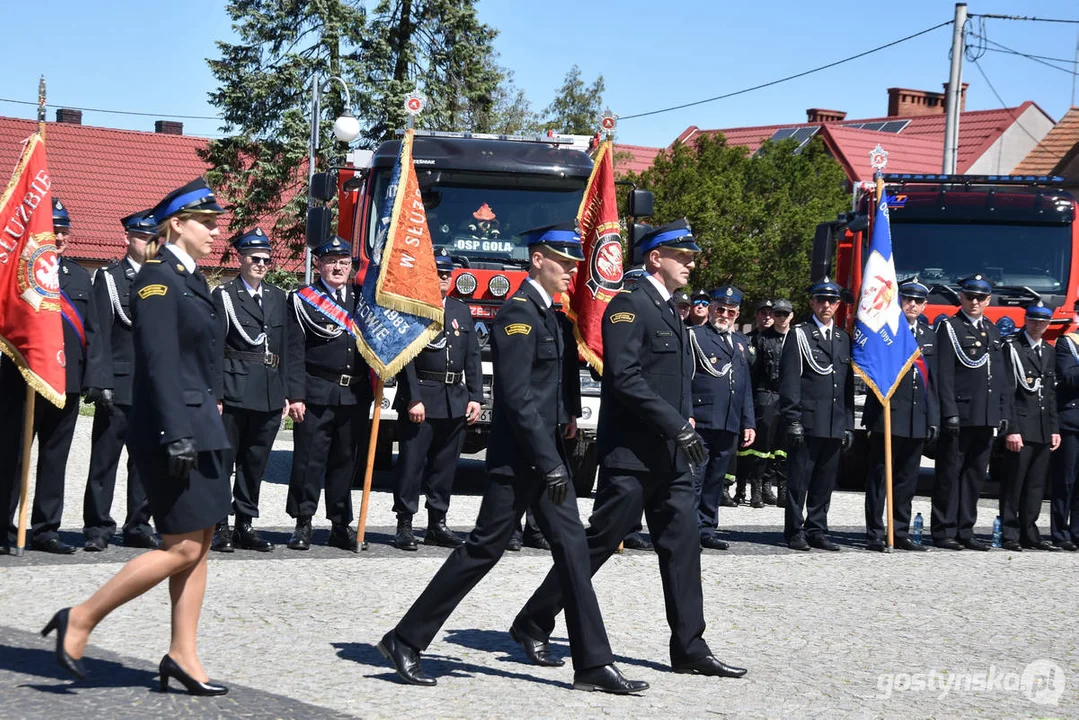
401	279
883	347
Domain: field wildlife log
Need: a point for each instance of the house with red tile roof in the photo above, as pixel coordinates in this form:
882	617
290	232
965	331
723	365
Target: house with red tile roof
1057	153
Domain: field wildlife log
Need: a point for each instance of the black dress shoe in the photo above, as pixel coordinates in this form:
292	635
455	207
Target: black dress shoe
537	542
344	537
711	666
406	661
608	679
59	624
440	535
405	539
1068	545
537	651
142	540
169	668
301	536
1043	545
906	543
222	541
822	543
975	544
516	540
948	544
95	544
711	542
53	545
246	537
636	541
798	542
875	546
1012	545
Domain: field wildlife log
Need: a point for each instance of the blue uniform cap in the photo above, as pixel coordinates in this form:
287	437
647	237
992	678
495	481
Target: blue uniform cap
334	246
443	261
677	234
141	222
727	295
825	289
976	284
564	239
60	218
252	240
1038	311
912	288
196	196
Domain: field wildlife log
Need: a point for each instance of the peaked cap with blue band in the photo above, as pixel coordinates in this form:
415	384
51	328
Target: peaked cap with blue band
443	261
913	288
976	284
142	222
677	234
727	295
825	289
334	246
195	197
60	218
1038	311
252	240
563	239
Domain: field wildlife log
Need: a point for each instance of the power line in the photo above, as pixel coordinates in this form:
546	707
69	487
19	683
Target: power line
1035	58
116	112
1024	17
789	77
1003	104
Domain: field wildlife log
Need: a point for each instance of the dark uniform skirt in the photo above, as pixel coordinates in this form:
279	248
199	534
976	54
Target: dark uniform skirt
183	506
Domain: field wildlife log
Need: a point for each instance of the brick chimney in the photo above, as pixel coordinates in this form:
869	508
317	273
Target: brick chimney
168	127
69	116
815	115
903	102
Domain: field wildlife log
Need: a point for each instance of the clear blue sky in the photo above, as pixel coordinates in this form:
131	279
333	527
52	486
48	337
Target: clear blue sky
149	56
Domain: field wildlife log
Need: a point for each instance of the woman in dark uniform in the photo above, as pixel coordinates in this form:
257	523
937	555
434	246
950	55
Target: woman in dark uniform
176	437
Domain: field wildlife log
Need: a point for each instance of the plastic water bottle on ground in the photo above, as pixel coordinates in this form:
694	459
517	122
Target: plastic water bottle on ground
996	532
916	535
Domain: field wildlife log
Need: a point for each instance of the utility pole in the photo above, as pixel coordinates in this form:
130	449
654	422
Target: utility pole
955	87
1075	68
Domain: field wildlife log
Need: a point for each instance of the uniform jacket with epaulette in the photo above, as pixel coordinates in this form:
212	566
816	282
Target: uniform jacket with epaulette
1031	381
822	401
722	393
256	373
111	363
914	406
976	395
1067	375
75	283
764	361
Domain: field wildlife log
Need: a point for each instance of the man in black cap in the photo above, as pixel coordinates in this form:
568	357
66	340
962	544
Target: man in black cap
764	462
816	401
55	427
329	394
973	403
915	415
254	314
1064	466
682	302
698	314
1033	431
526	467
439	393
109	371
647	450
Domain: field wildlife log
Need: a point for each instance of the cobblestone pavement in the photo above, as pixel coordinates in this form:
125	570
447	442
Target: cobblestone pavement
852	634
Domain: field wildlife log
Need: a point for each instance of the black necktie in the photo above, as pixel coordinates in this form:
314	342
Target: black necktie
1038	350
258	299
674	308
340	297
727	337
827	334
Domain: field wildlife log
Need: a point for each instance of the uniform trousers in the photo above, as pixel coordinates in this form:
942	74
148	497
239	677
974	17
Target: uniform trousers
811	473
670	506
324	446
427	461
108	438
962	460
1026	473
251	437
708	483
504	501
757	462
906	462
1064	502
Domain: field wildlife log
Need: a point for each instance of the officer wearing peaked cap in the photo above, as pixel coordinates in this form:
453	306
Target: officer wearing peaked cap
973	403
816	401
253	314
683	303
109	372
698	313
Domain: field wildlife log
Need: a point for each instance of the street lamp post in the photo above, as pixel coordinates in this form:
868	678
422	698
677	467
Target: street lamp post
346	129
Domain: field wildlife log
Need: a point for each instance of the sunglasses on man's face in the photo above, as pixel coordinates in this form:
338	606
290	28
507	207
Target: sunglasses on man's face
726	310
700	303
976	297
259	260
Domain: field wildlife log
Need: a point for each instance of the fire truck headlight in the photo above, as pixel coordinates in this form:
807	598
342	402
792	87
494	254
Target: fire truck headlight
499	286
465	283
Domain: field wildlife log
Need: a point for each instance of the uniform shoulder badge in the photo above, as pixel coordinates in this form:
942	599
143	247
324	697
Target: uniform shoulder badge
151	290
518	329
622	317
518	298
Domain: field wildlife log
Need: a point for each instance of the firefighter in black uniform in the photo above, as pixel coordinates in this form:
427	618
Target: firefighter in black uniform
973	403
765	460
915	421
109	371
526	467
55	427
329	394
438	394
747	471
253	314
816	401
1064	494
722	404
684	305
647	448
1033	431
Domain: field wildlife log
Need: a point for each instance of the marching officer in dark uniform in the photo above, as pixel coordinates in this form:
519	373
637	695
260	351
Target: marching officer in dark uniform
764	461
1033	431
55	427
438	394
526	467
647	448
109	371
973	403
253	313
1064	493
722	404
915	421
816	401
329	394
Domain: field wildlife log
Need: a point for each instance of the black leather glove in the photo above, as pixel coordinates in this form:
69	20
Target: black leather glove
688	439
932	433
1003	430
92	396
848	440
951	425
181	455
106	401
557	484
796	435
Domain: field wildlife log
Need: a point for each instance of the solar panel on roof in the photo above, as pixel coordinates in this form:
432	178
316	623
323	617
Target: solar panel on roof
894	126
782	134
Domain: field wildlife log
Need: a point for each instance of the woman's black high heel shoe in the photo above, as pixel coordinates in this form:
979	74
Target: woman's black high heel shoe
168	668
59	624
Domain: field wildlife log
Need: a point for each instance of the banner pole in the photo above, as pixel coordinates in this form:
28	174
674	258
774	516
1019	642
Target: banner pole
887	405
24	491
368	472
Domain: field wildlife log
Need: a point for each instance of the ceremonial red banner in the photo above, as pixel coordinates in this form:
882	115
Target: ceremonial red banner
31	330
600	275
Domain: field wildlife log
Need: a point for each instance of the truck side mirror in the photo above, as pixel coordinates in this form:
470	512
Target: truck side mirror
324	186
636	232
319	222
640	203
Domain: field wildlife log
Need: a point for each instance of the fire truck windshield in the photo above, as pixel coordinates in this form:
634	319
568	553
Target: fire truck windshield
1013	257
479	217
